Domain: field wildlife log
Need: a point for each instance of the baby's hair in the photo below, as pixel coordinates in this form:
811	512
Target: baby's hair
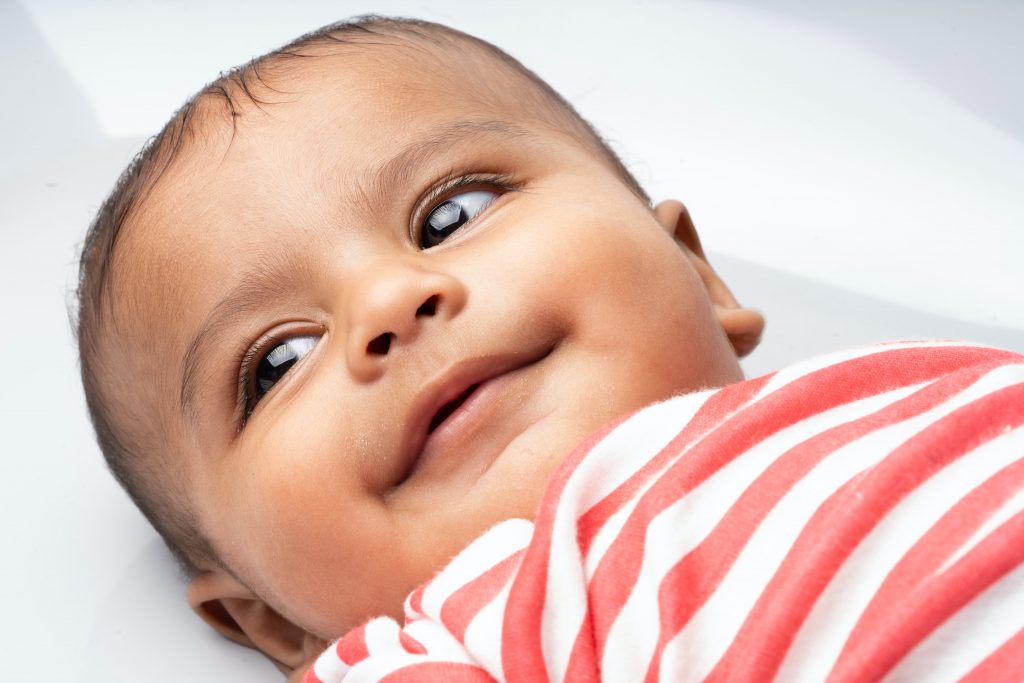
149	481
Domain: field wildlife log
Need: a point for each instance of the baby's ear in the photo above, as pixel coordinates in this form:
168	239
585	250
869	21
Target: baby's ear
743	326
235	612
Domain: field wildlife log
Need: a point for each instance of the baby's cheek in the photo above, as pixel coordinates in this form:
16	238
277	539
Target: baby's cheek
296	481
316	541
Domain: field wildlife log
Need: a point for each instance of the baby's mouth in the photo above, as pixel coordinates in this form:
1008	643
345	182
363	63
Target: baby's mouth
443	421
448	408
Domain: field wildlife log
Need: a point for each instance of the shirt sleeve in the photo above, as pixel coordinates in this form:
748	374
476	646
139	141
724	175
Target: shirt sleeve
856	516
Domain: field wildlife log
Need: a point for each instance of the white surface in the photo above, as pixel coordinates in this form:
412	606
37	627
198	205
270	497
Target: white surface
877	149
860	147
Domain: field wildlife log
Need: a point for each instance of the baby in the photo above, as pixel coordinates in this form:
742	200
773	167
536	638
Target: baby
357	303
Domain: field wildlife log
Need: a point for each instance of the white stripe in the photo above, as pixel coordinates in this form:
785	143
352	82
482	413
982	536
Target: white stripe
686	523
380	635
328	666
386	652
498	543
484	633
609	464
1012	506
638	458
438	641
565	595
612	528
617	457
705	639
964	640
824	633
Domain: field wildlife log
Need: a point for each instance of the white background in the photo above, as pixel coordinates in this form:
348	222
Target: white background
855	168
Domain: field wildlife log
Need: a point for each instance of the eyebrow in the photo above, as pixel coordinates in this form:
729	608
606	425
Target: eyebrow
270	278
276	276
373	190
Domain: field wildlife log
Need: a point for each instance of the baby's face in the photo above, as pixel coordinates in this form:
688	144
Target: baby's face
381	313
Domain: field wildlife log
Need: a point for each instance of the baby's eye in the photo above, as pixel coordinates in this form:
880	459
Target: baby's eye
273	366
452	214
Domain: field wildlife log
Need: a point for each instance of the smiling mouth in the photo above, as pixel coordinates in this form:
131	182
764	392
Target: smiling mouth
480	383
447	409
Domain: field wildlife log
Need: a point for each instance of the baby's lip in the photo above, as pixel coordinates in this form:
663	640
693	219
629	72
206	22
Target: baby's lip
445	393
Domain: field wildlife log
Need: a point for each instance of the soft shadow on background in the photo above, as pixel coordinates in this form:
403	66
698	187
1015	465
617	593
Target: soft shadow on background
969	53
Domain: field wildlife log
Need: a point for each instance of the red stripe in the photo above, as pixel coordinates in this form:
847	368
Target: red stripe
925	610
416	601
941	542
438	672
702	570
410	644
1005	665
845	519
352	648
820	390
716	409
464	604
522	655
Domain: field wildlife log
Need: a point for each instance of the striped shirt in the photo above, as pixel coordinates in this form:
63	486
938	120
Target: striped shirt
855	517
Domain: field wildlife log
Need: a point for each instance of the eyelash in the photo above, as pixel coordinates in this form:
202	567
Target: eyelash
246	367
441	191
449	186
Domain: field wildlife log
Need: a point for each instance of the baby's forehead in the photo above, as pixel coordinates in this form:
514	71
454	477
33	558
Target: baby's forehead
409	74
353	103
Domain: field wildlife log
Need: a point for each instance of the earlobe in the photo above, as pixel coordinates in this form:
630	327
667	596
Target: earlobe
235	612
743	326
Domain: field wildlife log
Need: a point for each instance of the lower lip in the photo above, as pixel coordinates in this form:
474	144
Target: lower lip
474	435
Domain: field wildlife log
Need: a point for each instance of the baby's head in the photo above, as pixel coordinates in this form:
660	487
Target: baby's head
357	301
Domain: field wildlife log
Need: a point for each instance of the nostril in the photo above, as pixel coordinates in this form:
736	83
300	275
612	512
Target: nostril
428	307
379	346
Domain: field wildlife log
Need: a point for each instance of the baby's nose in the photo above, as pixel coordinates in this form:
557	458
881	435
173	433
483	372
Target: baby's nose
390	308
